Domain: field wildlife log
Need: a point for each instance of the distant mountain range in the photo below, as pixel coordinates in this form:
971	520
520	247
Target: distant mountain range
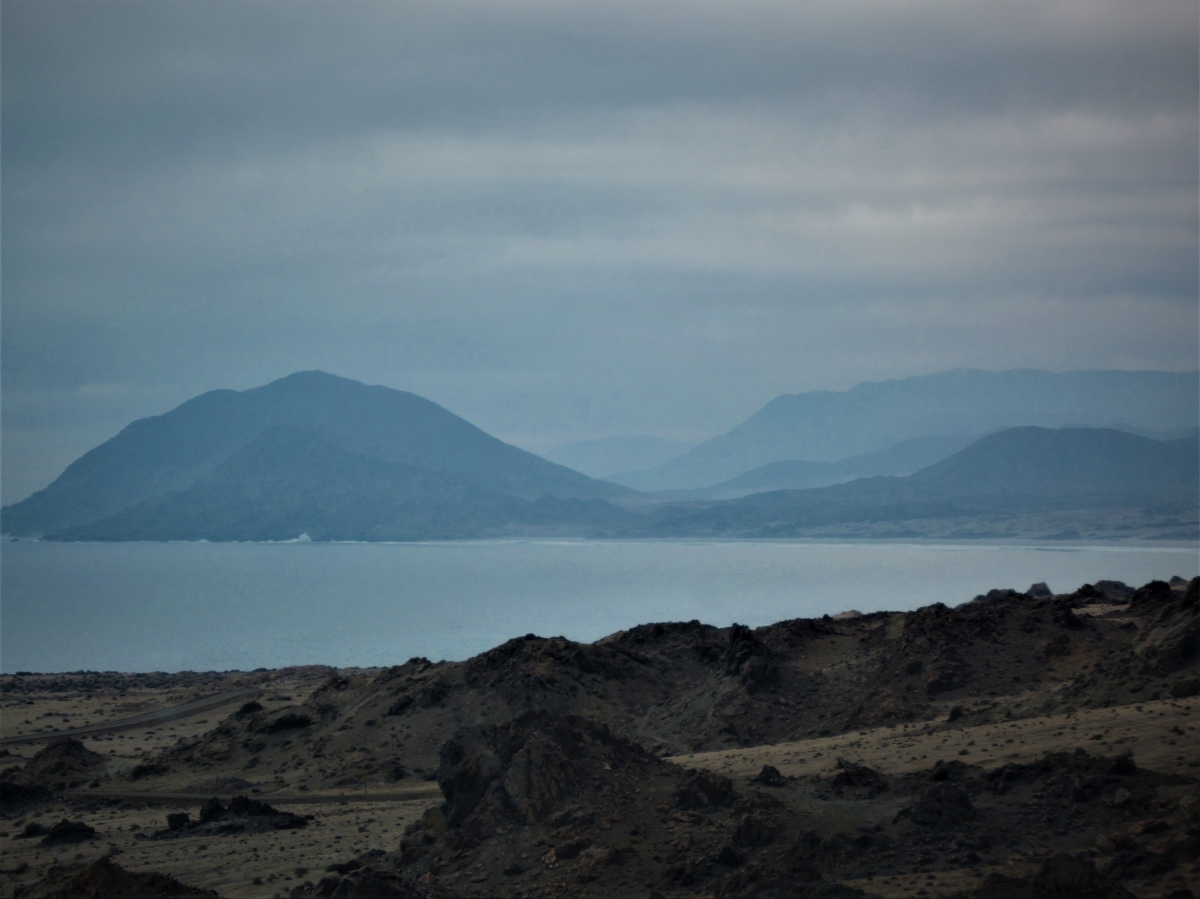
338	460
826	426
790	474
1015	470
599	458
307	453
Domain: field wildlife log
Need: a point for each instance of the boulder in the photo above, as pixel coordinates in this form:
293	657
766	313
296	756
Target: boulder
769	776
1183	848
748	659
468	765
288	721
944	805
68	832
706	790
754	831
851	774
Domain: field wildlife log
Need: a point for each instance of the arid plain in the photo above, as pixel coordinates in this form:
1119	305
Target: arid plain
1021	744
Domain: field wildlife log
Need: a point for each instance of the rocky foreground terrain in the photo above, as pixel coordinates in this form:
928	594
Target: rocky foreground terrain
1018	745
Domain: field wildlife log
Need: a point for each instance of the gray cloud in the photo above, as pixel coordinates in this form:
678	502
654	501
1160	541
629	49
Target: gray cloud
566	221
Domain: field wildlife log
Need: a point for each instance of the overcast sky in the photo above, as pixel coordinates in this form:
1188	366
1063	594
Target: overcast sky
574	220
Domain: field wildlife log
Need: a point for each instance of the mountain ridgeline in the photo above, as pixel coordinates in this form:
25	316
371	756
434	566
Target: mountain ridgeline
339	460
309	453
1017	471
826	426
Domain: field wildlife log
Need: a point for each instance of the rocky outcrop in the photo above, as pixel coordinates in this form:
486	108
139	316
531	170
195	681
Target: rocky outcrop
60	765
945	804
65	832
1060	877
104	879
242	815
525	769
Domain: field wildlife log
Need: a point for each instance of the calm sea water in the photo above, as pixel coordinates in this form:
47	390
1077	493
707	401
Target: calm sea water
198	606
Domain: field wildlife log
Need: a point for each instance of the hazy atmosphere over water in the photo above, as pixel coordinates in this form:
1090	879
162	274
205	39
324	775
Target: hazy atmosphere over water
566	222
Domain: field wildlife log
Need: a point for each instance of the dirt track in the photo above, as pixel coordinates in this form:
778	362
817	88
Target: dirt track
153	718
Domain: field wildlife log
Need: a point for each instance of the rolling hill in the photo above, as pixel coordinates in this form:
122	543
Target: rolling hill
792	474
205	454
1027	469
827	426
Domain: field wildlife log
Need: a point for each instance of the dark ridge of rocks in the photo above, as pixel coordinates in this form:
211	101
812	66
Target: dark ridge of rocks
686	686
1164	650
32	829
770	776
372	883
59	765
68	832
1060	877
945	804
705	790
526	768
222	786
242	815
561	801
287	721
17	794
104	879
148	769
750	660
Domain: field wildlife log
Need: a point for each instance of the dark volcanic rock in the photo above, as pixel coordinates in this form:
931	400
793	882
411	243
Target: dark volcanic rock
287	721
32	829
748	659
102	879
943	805
370	883
1060	877
525	769
706	790
469	765
769	776
13	793
68	832
854	775
1185	687
59	765
148	769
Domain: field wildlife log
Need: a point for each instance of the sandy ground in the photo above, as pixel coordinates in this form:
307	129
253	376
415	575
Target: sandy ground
228	864
53	713
1161	735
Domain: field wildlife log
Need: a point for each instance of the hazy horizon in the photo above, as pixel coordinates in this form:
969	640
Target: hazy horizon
565	223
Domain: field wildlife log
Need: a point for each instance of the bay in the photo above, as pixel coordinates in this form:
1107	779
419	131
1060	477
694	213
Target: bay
223	606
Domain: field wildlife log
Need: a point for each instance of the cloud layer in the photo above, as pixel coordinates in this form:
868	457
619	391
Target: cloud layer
569	220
